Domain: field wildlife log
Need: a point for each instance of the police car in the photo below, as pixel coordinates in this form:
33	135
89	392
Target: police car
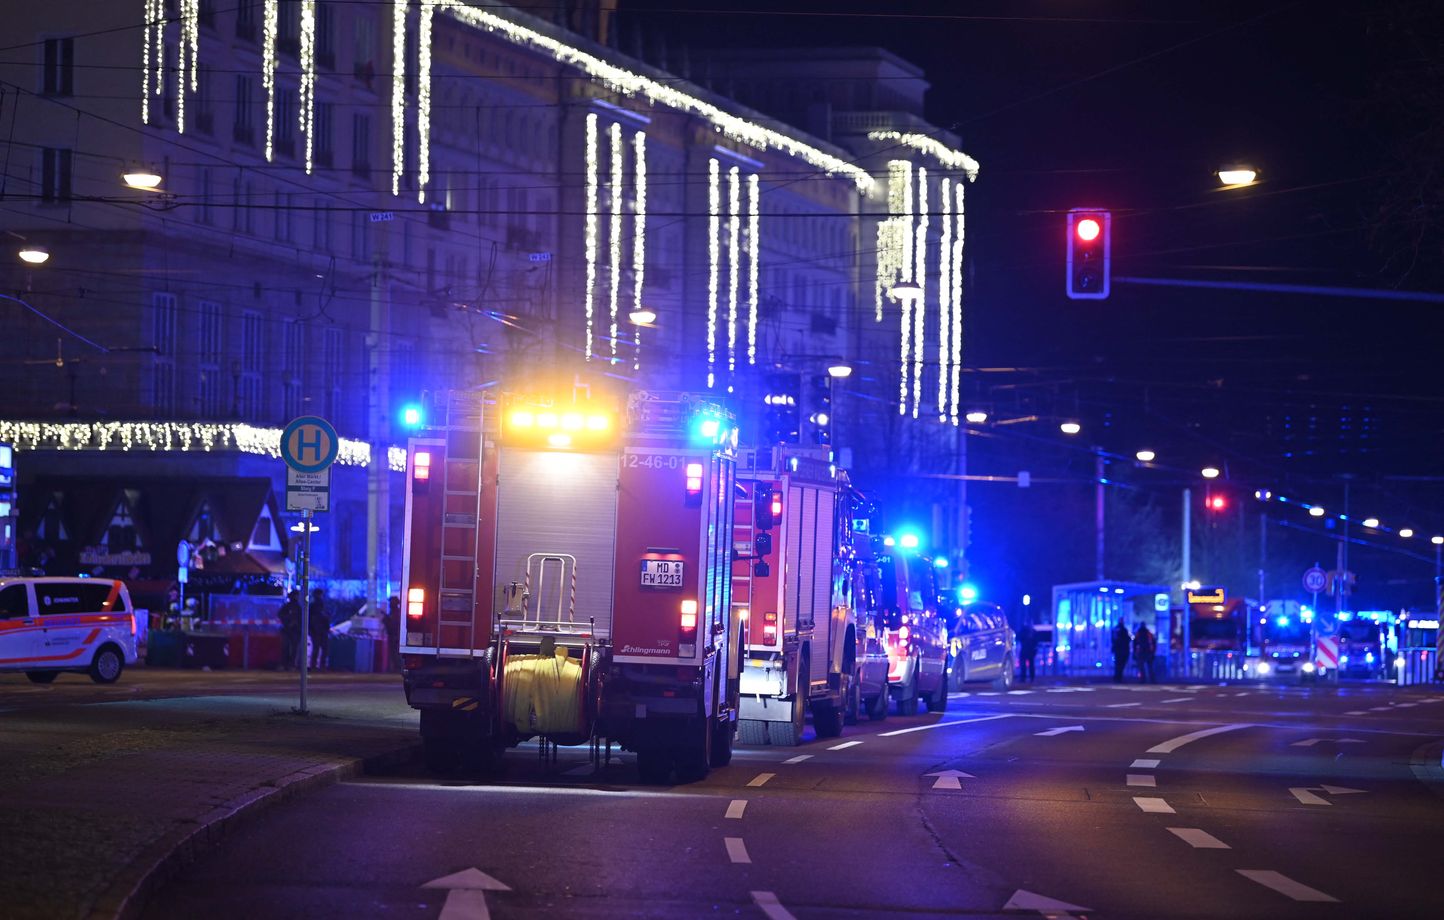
51	625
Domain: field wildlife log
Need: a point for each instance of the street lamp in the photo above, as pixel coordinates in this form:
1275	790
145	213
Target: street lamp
1237	176
1372	523
1316	511
1210	472
1437	540
906	290
142	179
34	255
1145	456
1406	532
976	417
642	317
839	370
1070	427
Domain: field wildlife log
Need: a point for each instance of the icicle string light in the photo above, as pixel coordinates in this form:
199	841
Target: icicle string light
947	156
714	256
957	297
153	54
627	83
269	29
905	340
614	235
185	59
945	292
306	112
398	92
423	100
734	249
590	300
753	245
893	233
920	277
639	233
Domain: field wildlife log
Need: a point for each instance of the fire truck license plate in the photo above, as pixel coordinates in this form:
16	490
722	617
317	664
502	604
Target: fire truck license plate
657	573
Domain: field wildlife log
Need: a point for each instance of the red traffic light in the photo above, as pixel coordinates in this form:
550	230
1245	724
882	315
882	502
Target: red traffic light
1088	253
1216	503
1088	229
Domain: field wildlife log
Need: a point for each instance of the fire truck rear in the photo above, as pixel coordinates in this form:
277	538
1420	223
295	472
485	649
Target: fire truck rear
802	635
562	582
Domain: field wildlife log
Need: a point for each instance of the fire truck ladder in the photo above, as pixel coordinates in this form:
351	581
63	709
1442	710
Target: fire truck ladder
461	480
743	543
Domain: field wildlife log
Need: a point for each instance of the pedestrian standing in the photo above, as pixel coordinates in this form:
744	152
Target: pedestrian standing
290	617
1027	651
1144	648
320	630
393	633
1122	642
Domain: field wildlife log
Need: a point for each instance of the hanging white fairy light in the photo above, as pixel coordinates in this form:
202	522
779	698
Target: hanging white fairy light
306	113
714	255
734	249
153	54
589	302
398	93
947	156
905	342
920	276
639	234
186	58
423	100
753	245
957	298
269	29
615	233
945	293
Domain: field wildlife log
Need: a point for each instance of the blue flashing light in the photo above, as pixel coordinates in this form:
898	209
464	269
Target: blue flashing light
888	541
1282	621
909	541
941	562
412	415
967	593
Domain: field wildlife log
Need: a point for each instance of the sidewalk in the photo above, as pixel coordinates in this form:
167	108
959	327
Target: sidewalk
101	801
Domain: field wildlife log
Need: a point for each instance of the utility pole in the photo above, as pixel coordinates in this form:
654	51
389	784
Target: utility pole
378	492
1187	544
1263	552
1099	500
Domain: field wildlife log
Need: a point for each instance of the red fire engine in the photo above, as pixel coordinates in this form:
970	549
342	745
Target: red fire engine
566	579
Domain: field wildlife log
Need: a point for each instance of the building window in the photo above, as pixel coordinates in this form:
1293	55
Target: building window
208	351
361	145
162	398
54	174
207	214
360	237
286	122
322	132
244	130
363	49
207	13
283	217
331	368
288	27
252	345
205	105
291	363
238	219
58	67
162	328
325	35
246	19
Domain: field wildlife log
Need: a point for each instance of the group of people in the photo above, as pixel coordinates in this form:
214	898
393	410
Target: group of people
1144	647
293	647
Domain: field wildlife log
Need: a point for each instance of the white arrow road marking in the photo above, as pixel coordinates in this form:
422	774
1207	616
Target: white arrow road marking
1285	885
466	894
1306	797
1173	744
761	779
950	779
923	728
1144	763
736	807
767	902
844	746
736	850
798	759
1048	907
1062	729
1153	806
1340	790
1199	839
1141	779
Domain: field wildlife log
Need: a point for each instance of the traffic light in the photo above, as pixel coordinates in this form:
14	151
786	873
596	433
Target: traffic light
782	395
1089	235
1216	503
821	402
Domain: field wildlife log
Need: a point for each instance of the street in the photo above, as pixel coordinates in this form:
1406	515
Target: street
1052	800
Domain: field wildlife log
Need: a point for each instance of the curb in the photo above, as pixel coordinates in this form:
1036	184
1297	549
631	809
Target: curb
125	897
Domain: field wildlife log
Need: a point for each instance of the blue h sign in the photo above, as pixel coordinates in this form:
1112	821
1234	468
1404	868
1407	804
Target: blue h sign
309	444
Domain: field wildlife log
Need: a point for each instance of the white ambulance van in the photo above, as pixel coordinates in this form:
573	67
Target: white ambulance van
51	625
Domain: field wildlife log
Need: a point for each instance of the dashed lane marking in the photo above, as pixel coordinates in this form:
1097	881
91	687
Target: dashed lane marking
1199	839
1122	705
767	902
761	779
736	808
1380	708
1019	692
1142	779
1285	885
1173	744
923	728
736	850
1356	712
989	693
1177	699
1145	763
798	759
1153	806
844	746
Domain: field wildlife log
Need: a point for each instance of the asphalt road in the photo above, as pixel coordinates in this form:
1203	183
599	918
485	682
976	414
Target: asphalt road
1056	800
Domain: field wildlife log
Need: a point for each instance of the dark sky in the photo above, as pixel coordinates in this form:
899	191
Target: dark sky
1132	106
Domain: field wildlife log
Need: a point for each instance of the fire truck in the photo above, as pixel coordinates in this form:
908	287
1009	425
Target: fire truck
802	637
566	574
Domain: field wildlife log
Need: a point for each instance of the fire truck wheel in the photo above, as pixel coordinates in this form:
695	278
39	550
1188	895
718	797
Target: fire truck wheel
877	706
827	719
694	761
654	765
722	735
42	677
108	664
937	701
907	703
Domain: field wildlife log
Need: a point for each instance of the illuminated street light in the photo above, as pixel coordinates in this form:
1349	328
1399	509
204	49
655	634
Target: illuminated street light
839	370
1406	532
977	416
1210	472
1070	427
34	255
1237	176
1437	540
642	317
300	527
1316	511
142	179
1371	522
906	290
1145	456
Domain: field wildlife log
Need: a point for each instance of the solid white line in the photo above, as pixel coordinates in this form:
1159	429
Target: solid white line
988	693
1198	839
736	808
736	850
1144	763
1173	744
1019	692
761	779
798	759
844	745
1285	885
1153	806
767	902
923	728
1177	699
1142	779
1122	705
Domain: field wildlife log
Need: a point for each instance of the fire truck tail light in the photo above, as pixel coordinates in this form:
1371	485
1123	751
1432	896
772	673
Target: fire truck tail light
694	480
416	603
776	506
421	465
689	615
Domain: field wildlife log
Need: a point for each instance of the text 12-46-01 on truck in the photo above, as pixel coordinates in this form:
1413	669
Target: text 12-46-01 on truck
567	578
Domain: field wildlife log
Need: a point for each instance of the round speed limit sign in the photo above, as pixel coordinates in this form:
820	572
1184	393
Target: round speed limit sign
1315	580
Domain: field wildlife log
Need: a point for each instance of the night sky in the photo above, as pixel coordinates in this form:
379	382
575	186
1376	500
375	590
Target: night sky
1132	106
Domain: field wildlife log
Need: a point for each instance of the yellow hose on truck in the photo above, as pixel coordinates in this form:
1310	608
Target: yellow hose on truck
542	693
